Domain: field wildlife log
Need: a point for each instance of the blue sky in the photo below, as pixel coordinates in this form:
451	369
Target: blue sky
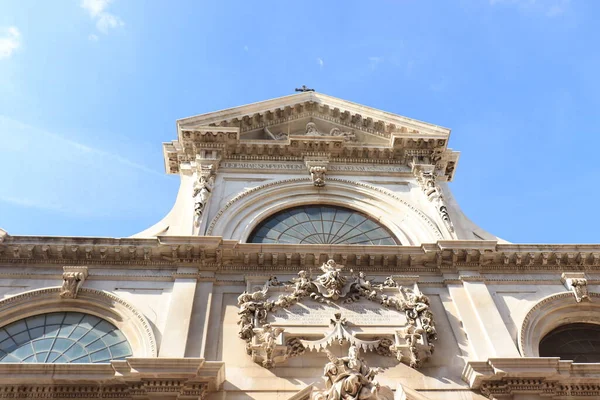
90	89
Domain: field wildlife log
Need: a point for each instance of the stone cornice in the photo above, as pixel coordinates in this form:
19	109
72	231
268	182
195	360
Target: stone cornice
182	378
214	253
547	376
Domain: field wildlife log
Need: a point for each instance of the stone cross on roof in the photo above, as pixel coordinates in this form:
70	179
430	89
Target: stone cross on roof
304	89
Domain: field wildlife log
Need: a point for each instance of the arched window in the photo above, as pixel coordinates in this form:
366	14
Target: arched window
577	342
321	225
62	337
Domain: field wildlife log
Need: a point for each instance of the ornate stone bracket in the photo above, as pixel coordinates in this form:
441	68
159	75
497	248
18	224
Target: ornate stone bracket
425	174
203	188
577	283
317	168
73	278
265	343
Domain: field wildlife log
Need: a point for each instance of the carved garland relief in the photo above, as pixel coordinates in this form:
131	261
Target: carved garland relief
408	339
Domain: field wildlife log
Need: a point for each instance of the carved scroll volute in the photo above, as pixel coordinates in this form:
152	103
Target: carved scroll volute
426	176
203	187
73	278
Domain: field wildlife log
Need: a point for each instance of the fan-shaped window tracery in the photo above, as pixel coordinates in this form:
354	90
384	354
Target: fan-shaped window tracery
578	342
321	225
62	337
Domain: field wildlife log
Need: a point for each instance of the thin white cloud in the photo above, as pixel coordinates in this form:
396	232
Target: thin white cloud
67	176
79	146
105	21
320	62
246	48
29	203
10	40
549	8
375	61
93	37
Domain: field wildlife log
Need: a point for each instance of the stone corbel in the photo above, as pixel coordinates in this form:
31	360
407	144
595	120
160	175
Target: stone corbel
73	278
317	168
577	283
426	176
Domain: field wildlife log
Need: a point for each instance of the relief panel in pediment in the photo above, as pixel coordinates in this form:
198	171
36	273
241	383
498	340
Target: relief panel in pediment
315	128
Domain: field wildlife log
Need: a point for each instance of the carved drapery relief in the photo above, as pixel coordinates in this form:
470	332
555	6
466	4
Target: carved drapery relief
267	345
73	278
576	283
425	175
202	190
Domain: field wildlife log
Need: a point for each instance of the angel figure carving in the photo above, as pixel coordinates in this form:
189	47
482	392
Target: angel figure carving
267	337
350	378
332	280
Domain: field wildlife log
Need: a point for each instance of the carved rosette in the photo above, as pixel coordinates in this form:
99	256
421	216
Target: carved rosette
267	345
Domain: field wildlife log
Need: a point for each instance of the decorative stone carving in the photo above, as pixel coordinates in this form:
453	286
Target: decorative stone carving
348	136
312	130
425	175
317	168
577	283
73	278
339	334
317	174
350	378
411	345
331	280
276	136
202	190
265	343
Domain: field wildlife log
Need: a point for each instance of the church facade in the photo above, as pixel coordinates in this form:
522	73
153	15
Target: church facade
314	251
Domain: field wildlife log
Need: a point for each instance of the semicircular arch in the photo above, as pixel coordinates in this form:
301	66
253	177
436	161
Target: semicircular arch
102	304
551	312
238	218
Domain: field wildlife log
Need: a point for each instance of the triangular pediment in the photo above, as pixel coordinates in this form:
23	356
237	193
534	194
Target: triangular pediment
252	117
310	122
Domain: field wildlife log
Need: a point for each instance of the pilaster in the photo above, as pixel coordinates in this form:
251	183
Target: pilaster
200	316
175	337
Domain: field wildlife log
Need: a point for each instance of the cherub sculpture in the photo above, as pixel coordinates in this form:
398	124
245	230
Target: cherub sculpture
267	336
332	280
